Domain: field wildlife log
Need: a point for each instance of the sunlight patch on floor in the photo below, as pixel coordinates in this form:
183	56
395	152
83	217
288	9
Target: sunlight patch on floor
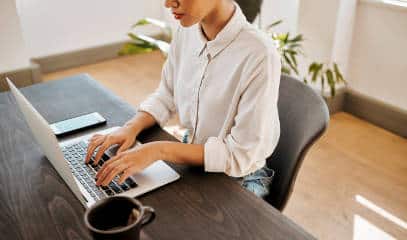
363	229
370	205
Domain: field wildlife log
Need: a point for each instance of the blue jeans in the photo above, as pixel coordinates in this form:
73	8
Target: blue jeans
259	182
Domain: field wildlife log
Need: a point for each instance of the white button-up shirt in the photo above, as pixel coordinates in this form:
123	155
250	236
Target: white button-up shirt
225	92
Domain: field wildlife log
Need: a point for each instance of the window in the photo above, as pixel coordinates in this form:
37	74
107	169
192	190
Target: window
402	3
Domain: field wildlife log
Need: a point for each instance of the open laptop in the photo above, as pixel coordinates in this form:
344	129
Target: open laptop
68	160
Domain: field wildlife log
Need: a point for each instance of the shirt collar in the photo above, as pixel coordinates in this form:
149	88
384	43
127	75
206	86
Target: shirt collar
224	37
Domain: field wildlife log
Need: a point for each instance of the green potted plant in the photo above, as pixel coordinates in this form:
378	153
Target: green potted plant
140	43
291	47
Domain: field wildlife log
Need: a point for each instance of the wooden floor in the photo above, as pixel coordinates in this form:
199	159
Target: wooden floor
353	184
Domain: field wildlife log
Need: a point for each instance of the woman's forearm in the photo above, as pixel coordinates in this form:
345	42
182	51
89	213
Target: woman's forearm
141	121
180	153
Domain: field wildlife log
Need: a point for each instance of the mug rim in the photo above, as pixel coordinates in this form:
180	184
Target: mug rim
103	201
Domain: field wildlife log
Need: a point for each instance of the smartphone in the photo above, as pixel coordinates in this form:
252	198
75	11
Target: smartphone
77	123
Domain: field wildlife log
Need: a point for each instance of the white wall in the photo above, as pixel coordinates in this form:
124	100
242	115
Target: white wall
57	26
317	21
286	10
342	42
13	53
378	60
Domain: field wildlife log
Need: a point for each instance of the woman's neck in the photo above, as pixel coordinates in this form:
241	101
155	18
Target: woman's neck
216	20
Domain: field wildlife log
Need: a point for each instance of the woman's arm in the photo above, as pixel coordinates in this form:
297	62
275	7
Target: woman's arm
141	121
136	159
181	153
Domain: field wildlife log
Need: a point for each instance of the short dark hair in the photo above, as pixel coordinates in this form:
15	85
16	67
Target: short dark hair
250	8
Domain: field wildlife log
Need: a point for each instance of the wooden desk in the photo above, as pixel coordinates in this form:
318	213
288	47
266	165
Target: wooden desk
36	204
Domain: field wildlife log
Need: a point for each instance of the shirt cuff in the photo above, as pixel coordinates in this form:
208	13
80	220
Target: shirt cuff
156	109
215	155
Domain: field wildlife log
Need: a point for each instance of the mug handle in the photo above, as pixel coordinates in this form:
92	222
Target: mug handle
148	216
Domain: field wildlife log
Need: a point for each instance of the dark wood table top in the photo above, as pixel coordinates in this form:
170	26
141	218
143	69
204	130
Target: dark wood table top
35	203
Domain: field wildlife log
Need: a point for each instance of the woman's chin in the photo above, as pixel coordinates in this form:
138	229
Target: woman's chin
186	23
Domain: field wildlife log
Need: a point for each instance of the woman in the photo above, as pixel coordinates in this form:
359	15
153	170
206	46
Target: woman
222	78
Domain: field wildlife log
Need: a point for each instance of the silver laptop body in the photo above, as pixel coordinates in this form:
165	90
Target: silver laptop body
68	160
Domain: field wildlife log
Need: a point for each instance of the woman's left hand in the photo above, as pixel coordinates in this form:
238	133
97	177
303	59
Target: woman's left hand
127	163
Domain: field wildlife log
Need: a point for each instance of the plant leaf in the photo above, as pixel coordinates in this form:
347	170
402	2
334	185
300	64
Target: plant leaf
331	81
311	67
137	40
298	38
141	22
161	24
285	70
338	74
294	59
288	61
281	37
278	22
131	48
316	71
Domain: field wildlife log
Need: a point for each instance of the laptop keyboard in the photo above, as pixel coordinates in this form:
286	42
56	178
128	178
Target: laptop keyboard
86	173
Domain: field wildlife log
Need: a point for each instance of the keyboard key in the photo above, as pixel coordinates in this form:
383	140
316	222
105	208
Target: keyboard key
109	192
115	188
131	183
105	157
100	195
83	144
124	187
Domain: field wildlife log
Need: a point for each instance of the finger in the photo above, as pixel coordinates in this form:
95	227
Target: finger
111	171
125	146
91	148
96	136
102	149
127	173
112	175
106	164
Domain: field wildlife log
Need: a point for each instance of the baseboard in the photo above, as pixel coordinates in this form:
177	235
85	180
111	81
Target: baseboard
21	77
335	104
381	114
79	57
85	56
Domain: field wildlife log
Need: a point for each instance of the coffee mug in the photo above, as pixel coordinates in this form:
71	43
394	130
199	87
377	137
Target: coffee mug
118	218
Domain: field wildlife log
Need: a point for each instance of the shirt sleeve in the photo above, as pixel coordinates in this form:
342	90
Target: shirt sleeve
256	128
160	104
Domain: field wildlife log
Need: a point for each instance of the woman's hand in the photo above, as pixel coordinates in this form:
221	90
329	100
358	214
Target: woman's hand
127	163
124	137
138	158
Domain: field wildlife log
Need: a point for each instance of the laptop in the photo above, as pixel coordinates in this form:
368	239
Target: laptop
68	160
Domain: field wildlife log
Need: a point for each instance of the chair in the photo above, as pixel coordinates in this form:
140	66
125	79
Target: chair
304	116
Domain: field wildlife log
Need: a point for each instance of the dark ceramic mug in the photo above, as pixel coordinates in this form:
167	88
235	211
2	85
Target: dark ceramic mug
118	218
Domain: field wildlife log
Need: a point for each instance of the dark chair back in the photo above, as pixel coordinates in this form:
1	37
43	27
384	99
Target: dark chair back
304	116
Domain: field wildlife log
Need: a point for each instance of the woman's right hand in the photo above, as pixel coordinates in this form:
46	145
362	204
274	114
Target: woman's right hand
124	137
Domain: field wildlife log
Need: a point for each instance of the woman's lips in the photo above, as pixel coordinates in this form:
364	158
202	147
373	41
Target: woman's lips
178	16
